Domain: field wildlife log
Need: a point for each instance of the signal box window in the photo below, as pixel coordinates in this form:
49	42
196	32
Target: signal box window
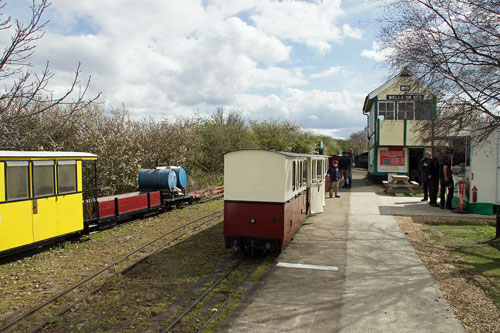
17	180
406	110
43	178
66	177
386	110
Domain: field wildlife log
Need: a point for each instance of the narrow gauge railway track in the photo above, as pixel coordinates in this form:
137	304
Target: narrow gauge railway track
211	289
37	320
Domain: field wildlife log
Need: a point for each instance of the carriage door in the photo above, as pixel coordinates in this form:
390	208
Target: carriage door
317	189
44	201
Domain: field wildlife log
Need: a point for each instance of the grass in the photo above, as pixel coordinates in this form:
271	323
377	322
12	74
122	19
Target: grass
473	246
413	195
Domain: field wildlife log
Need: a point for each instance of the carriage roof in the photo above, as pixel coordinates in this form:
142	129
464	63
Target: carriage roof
281	153
45	155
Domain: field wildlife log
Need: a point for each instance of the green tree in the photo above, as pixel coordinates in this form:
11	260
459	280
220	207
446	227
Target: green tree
282	136
219	134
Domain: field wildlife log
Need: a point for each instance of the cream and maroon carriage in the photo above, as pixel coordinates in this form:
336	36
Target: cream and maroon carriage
268	195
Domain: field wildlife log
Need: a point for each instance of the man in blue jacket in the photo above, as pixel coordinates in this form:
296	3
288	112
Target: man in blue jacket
334	174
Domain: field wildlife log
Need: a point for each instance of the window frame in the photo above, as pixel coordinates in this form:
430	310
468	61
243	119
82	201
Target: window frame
65	163
304	173
319	171
17	163
406	112
33	179
314	169
299	177
385	112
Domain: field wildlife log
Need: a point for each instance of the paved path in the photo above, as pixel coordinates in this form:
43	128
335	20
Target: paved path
387	287
380	284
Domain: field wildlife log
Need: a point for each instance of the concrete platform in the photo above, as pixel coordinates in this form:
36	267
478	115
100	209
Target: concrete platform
364	276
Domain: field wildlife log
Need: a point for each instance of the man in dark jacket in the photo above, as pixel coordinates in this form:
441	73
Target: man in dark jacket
423	166
446	178
334	174
433	177
345	168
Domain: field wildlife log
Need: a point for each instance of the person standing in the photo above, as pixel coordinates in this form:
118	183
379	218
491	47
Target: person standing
446	178
345	168
334	174
351	157
423	166
433	177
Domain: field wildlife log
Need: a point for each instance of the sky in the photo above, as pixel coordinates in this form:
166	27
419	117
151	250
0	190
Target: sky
309	62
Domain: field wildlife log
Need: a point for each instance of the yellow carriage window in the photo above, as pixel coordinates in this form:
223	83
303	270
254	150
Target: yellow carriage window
43	178
66	177
17	182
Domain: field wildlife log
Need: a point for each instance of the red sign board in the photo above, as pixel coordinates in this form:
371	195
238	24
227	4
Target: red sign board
392	157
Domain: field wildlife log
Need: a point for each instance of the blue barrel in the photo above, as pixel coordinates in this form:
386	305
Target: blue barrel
157	179
182	177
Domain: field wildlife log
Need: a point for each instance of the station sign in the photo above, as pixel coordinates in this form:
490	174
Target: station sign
418	97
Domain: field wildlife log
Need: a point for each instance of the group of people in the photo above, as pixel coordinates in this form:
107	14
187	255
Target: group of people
435	172
341	169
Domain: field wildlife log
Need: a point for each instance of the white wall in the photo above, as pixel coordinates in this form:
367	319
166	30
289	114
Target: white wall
484	170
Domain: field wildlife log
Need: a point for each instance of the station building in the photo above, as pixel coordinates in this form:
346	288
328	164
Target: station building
396	112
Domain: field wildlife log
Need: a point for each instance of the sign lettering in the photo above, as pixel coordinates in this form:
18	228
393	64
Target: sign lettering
392	157
405	97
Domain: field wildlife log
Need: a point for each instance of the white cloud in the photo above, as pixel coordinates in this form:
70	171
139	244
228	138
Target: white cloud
170	58
180	55
377	53
311	23
334	133
329	72
352	32
311	109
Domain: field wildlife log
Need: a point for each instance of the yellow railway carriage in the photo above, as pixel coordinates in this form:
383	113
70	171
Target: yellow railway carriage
41	197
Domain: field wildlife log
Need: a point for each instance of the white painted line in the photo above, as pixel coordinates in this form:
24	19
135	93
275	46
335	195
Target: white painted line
320	267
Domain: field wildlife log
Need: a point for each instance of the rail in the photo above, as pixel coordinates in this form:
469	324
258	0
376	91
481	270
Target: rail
210	288
204	220
208	193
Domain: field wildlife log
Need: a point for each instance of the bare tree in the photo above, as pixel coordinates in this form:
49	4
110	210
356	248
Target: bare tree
454	46
26	93
360	141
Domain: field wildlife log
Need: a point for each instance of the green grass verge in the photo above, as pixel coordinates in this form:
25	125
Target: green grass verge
478	255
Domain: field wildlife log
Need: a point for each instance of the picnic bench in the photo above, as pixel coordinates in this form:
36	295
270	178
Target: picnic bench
400	184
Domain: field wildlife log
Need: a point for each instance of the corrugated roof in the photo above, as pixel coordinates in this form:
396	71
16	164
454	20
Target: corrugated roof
45	154
298	154
281	152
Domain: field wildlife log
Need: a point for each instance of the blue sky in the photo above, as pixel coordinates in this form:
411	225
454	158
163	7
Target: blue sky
311	62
